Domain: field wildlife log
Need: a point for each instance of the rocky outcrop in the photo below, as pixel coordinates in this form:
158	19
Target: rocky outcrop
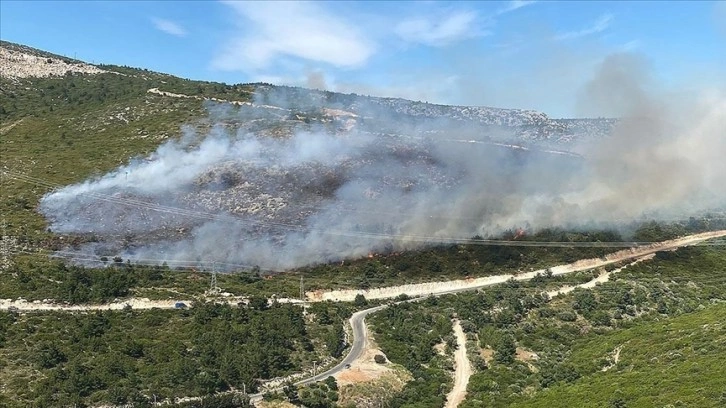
19	64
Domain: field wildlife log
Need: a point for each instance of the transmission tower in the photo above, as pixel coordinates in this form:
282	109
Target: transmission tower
8	246
4	246
302	289
213	288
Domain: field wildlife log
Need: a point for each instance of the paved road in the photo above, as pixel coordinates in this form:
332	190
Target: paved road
357	321
360	342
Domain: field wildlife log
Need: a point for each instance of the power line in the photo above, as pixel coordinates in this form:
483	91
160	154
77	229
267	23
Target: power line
173	263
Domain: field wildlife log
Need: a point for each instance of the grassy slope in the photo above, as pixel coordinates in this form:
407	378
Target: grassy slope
661	362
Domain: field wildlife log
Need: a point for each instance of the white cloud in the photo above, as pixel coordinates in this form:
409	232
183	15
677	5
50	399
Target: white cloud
631	46
598	26
514	5
436	30
169	27
271	31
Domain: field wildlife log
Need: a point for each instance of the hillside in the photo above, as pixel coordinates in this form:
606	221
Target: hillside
356	175
124	186
650	336
92	120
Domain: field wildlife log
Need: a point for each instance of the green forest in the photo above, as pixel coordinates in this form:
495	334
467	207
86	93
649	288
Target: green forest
135	356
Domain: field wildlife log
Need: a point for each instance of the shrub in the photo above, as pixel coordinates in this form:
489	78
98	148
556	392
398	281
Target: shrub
360	300
600	318
567	316
505	350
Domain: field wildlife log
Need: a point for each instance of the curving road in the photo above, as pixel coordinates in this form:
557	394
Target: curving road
360	343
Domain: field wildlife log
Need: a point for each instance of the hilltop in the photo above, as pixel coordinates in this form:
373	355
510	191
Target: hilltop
18	62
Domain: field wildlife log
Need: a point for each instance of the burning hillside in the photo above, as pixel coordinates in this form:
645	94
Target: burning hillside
280	187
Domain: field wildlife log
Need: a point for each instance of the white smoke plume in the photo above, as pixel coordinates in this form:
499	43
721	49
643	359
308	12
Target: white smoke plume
238	198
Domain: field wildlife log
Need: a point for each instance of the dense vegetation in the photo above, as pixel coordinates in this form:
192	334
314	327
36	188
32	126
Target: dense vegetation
408	335
34	278
663	362
37	278
61	359
659	317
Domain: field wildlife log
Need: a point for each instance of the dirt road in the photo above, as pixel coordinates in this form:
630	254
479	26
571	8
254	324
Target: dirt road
434	288
458	393
463	369
22	305
357	321
602	278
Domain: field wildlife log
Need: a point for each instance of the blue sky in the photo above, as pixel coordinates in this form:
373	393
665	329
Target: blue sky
534	55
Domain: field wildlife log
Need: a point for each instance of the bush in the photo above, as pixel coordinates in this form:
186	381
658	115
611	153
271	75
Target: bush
546	312
360	300
331	383
600	318
567	316
505	350
380	359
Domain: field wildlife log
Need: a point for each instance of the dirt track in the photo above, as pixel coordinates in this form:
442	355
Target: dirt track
22	305
602	278
422	289
135	303
463	369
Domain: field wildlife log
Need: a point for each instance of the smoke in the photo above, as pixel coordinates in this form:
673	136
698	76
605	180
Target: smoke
321	193
316	80
666	153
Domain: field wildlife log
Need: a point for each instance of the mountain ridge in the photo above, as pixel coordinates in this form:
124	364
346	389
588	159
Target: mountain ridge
524	125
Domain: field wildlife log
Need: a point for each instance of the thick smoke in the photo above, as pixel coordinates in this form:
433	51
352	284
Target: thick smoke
666	154
239	198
